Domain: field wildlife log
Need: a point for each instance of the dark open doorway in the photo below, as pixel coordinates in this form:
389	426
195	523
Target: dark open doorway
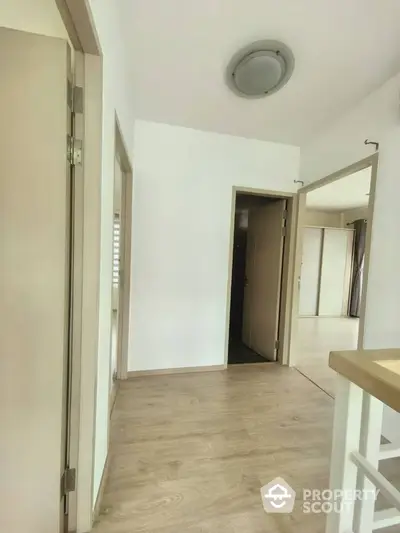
257	257
238	351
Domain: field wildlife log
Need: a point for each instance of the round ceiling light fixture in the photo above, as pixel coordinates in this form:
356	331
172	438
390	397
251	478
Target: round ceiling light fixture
260	69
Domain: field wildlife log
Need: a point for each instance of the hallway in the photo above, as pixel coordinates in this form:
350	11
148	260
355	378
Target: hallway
190	452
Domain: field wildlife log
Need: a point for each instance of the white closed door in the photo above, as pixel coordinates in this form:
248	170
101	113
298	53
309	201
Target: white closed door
335	272
310	271
34	279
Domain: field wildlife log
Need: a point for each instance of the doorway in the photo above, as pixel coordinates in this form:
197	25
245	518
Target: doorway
117	262
335	225
121	264
257	273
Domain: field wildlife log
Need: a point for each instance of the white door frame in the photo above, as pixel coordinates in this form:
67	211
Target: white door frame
92	165
370	161
124	288
79	23
126	216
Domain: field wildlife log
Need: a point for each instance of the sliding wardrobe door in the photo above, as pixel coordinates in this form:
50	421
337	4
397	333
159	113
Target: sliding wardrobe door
335	272
310	271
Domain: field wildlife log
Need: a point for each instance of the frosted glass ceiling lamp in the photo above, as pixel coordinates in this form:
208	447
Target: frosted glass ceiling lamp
260	69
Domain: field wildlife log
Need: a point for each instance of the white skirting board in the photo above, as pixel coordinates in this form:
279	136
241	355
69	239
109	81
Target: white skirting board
183	370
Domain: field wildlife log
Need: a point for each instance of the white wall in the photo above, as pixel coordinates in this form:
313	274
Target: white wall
181	229
34	16
327	219
342	143
116	99
354	214
376	118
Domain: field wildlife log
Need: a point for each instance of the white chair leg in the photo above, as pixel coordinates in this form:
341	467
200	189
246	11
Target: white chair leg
370	442
345	439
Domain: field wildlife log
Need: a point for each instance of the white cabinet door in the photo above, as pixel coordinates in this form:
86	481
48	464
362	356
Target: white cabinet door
310	271
335	272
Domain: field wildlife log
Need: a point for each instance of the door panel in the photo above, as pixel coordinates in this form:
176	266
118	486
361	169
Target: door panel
34	278
264	272
310	271
333	272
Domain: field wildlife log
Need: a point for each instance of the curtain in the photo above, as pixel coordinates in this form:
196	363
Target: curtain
360	227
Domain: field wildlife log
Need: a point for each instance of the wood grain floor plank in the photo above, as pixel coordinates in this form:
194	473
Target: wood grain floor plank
190	452
316	338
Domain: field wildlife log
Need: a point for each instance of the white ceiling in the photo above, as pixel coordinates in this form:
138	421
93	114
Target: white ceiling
347	193
179	49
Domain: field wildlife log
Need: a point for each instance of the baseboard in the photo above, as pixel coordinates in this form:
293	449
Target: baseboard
251	365
181	370
100	494
113	397
328	316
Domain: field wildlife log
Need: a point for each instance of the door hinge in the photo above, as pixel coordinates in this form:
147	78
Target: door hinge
285	213
74	150
277	345
68	481
77	100
284	231
75	97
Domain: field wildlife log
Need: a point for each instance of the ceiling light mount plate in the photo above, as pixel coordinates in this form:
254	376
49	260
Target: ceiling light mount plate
260	69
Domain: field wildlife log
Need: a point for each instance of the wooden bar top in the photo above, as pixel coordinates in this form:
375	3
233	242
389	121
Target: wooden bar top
375	371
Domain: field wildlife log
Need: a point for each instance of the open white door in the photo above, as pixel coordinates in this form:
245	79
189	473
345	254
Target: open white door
34	279
263	278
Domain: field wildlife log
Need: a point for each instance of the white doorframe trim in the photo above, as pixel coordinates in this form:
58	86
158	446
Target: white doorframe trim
78	20
126	213
124	289
90	289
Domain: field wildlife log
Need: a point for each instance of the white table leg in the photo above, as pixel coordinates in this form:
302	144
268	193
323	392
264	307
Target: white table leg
370	441
345	439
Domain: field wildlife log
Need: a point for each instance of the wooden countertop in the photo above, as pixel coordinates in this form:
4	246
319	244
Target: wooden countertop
376	371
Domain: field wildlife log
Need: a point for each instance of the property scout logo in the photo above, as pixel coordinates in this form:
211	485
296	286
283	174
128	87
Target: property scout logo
279	497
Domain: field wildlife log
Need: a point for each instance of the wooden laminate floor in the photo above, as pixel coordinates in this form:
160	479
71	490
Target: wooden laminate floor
316	338
190	452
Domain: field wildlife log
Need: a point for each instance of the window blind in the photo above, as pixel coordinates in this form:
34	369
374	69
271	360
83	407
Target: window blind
116	250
